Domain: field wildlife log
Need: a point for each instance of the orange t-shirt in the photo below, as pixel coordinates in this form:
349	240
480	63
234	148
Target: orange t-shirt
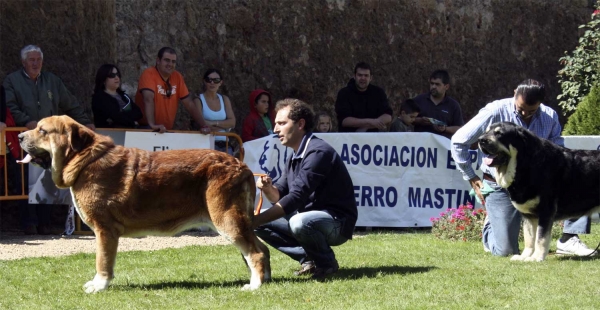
165	108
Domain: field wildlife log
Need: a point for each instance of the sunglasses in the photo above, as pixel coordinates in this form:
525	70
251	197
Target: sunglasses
112	75
168	89
215	80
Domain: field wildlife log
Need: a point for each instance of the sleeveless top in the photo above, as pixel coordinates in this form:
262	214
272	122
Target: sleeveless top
211	115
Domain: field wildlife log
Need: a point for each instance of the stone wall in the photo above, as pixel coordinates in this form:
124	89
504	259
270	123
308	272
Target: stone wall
302	47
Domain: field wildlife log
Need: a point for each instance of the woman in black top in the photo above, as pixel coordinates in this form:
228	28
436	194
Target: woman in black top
111	106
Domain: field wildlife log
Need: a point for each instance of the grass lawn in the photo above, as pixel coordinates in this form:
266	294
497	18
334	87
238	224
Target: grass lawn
379	270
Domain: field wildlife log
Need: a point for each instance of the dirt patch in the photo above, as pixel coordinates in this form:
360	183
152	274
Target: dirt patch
17	246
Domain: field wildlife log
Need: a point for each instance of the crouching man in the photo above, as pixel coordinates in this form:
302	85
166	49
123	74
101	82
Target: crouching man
313	201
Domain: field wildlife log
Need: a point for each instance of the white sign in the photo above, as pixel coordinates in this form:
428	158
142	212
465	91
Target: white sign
152	141
582	142
400	179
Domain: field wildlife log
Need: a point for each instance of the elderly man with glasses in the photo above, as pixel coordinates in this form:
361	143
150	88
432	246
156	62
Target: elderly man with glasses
159	90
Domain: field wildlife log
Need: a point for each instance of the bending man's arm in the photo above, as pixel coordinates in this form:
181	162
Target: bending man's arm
149	108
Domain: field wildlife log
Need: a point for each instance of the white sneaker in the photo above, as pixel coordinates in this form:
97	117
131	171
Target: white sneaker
573	246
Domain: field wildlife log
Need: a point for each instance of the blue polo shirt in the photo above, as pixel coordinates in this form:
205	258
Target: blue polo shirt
316	179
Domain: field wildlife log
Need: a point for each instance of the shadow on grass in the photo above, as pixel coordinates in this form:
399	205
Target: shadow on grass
343	273
576	258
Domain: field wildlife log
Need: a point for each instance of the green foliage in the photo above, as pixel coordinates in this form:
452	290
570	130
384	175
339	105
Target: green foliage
581	68
586	120
461	224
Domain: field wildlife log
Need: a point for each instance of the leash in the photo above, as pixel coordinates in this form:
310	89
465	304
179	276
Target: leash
260	195
595	251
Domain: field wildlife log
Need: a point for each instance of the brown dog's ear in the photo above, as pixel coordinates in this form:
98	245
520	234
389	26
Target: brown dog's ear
79	138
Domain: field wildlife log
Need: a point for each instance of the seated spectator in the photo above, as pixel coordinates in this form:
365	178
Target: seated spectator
259	123
323	121
437	105
111	106
408	113
362	106
216	108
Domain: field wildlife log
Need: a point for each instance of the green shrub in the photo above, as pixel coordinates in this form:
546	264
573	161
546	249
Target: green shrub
581	68
586	120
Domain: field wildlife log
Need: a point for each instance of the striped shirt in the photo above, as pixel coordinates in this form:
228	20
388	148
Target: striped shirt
544	124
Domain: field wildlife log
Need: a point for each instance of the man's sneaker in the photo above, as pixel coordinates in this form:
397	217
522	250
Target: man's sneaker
321	273
573	246
307	268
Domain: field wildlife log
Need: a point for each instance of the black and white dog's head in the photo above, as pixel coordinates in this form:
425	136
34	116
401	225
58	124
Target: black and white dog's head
501	143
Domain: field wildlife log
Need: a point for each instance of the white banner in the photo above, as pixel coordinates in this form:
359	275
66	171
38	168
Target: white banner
400	179
582	142
152	141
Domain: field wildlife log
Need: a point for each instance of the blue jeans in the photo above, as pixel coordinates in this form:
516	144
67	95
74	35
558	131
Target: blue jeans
306	236
501	233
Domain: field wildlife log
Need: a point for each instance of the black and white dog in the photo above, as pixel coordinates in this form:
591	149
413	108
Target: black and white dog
546	182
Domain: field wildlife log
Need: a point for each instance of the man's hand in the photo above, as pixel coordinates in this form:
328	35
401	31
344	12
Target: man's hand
477	185
378	123
205	130
91	126
439	128
422	121
30	125
264	181
159	128
265	184
2	126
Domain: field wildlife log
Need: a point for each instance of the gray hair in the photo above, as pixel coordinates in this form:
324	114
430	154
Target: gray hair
30	48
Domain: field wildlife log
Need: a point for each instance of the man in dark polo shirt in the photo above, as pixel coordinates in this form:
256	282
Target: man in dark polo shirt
360	106
313	202
438	106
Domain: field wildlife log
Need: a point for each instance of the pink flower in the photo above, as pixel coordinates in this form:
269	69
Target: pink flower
596	12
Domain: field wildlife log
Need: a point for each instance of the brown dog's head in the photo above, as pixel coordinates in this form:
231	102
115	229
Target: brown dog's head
54	143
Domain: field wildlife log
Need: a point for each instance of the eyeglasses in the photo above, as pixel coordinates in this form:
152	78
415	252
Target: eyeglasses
112	75
215	80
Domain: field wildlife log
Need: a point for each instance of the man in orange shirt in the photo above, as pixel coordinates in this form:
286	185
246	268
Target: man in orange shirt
159	90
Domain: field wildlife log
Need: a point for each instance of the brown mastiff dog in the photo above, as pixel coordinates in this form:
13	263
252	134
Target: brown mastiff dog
128	192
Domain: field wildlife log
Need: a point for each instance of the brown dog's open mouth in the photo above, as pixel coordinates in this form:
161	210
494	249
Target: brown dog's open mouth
43	160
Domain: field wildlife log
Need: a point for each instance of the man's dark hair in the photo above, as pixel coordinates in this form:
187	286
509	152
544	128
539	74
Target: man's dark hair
442	75
298	110
532	91
363	65
410	106
164	50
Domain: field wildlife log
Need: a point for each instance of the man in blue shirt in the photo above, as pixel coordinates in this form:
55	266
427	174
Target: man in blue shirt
503	222
314	206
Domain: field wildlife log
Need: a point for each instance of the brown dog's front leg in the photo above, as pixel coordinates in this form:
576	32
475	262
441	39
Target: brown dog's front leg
106	253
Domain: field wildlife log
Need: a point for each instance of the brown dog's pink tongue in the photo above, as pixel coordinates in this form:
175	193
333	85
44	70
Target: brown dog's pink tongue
25	160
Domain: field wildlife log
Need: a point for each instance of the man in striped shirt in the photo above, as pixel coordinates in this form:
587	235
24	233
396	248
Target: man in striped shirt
503	221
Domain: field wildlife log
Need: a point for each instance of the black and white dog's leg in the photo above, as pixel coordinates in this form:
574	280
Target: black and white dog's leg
542	242
529	232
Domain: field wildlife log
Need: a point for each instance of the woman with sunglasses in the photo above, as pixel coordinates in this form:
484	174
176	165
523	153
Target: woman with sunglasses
216	108
111	106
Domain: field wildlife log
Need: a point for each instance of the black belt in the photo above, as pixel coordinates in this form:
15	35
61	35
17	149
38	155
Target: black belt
489	177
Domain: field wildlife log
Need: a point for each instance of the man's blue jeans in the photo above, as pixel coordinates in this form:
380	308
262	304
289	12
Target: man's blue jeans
501	233
306	236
